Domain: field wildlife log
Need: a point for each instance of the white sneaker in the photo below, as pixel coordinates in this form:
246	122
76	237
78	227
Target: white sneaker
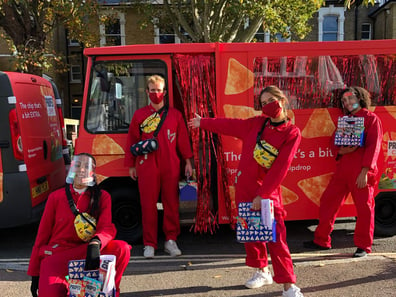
294	291
259	279
148	252
171	248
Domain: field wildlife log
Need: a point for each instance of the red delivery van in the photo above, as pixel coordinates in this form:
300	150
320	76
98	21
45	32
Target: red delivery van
225	79
31	147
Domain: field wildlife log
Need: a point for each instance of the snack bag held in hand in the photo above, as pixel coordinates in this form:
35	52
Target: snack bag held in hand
250	226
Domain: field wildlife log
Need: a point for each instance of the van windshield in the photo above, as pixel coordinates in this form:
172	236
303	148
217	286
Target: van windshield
116	91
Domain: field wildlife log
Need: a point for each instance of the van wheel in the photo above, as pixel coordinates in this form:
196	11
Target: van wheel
127	215
385	214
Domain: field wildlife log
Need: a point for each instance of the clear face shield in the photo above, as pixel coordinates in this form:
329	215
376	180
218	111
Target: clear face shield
82	171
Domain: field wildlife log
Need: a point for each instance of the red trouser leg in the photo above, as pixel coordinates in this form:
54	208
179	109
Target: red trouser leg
122	251
149	189
332	199
282	264
54	268
170	202
365	207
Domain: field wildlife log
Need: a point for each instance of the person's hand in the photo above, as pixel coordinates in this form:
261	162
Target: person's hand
92	261
188	171
256	204
133	173
361	180
195	122
34	285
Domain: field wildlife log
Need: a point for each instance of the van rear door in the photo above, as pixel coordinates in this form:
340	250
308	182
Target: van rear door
40	133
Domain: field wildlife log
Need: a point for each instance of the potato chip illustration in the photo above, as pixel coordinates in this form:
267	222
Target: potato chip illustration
319	124
288	196
103	160
105	145
239	78
314	187
391	110
240	111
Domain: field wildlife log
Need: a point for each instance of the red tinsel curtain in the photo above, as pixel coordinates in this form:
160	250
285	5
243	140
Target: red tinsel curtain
196	82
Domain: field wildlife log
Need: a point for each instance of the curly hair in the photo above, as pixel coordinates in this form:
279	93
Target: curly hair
361	94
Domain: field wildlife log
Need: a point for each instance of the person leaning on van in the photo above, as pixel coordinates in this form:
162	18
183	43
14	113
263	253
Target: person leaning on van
260	178
156	135
356	173
60	237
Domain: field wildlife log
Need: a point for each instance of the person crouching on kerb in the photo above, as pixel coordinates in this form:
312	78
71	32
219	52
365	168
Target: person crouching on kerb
58	240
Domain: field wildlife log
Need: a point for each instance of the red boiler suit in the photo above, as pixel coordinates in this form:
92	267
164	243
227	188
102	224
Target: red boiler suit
253	180
57	242
344	182
159	171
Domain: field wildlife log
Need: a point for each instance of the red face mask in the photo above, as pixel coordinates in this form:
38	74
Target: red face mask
156	98
272	109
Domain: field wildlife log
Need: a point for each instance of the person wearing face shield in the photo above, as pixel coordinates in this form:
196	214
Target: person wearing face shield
259	179
157	171
356	173
61	236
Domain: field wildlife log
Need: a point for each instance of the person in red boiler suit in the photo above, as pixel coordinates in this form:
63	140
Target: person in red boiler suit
356	173
58	241
159	171
255	181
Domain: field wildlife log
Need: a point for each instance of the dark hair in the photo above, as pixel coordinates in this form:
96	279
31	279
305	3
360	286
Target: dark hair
361	94
276	92
94	190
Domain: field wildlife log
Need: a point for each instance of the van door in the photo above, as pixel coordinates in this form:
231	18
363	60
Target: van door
32	163
41	135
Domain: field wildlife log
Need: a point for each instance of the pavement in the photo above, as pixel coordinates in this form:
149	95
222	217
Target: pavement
214	266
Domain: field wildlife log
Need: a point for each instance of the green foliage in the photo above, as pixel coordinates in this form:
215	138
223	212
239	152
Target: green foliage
28	25
230	20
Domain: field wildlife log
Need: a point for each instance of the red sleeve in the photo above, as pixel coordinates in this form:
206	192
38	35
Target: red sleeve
43	234
372	144
231	127
133	137
279	168
183	139
105	229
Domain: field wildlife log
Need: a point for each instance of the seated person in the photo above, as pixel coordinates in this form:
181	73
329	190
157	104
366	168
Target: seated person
58	241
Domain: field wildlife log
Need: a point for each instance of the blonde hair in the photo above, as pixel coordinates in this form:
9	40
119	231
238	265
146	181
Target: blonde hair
154	79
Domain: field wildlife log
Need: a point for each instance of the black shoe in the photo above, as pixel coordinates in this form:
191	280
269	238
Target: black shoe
314	246
360	253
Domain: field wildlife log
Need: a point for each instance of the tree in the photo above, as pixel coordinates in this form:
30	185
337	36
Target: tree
231	20
27	25
348	3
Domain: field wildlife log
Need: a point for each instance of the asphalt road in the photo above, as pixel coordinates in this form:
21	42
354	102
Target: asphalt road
213	265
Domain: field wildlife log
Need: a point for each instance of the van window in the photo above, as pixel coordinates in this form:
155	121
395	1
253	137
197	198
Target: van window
116	91
316	81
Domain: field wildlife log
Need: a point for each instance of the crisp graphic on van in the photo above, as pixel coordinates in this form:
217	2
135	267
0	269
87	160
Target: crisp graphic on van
319	125
105	145
239	78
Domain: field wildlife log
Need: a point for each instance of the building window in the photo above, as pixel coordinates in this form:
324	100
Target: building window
331	23
366	31
113	31
74	42
330	28
75	74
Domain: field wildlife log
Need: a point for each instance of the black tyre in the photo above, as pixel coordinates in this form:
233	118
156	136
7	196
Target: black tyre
385	214
127	216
